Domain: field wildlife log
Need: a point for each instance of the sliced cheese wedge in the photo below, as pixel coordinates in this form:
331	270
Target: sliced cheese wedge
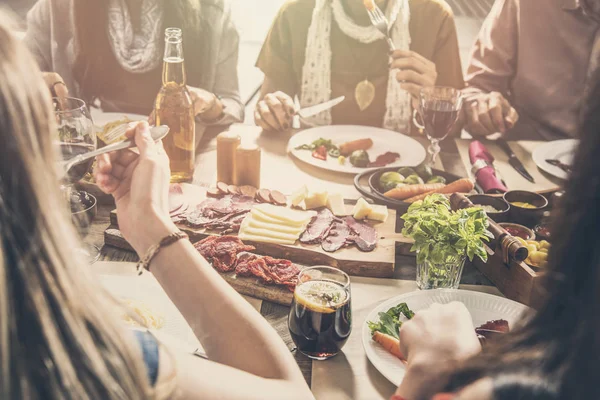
378	213
316	200
362	209
263	239
284	214
274	227
335	203
299	196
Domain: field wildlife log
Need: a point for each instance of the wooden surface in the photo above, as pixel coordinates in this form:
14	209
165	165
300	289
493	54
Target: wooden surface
349	375
377	263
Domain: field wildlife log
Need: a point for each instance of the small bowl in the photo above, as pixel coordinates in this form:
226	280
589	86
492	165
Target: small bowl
84	208
542	231
510	227
529	217
497	202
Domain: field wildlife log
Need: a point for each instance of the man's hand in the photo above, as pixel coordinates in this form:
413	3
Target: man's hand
490	113
275	112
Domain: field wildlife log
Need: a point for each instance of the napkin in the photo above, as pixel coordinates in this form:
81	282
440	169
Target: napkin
485	175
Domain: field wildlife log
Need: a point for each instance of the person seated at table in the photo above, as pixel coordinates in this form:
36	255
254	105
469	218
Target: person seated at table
61	336
318	50
113	51
529	68
555	353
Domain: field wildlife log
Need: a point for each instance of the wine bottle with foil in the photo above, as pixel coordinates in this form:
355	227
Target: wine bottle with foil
174	107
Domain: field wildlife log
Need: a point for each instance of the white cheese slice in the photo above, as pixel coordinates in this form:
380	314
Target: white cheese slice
378	213
258	215
298	196
361	209
277	227
335	203
316	200
284	214
254	238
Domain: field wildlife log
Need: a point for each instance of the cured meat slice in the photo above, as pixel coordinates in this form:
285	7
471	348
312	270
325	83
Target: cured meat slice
224	214
318	227
269	270
365	236
339	236
176	197
222	251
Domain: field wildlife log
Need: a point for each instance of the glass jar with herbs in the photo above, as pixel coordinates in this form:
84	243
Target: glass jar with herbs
444	239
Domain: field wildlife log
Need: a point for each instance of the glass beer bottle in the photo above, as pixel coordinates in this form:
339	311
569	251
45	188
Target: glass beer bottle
174	107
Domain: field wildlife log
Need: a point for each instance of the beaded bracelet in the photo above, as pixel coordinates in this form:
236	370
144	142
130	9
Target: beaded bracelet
144	263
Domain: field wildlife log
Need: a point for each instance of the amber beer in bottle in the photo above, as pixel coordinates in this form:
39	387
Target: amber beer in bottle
174	107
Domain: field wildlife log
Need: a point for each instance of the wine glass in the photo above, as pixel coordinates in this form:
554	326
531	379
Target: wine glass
76	135
439	107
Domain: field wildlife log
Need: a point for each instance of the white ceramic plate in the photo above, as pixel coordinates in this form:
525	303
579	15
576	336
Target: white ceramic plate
483	307
411	152
562	150
146	289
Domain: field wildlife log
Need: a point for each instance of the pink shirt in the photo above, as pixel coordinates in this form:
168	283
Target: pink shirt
537	54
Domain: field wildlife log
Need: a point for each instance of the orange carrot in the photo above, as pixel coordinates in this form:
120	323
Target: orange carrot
349	147
389	343
369	4
404	192
464	185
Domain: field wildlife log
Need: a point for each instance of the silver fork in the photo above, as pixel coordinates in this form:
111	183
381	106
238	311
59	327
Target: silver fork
116	132
380	22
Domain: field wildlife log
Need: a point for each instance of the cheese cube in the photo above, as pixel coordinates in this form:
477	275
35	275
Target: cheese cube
316	200
378	213
299	195
335	203
361	209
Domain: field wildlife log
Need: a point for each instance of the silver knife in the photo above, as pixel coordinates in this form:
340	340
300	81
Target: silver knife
319	108
514	161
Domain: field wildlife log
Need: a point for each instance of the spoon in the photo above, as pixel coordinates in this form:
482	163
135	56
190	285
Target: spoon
157	133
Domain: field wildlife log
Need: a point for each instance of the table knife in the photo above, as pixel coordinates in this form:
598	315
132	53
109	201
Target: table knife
319	108
514	161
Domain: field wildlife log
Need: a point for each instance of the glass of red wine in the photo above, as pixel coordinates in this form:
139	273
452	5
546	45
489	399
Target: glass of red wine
439	107
75	135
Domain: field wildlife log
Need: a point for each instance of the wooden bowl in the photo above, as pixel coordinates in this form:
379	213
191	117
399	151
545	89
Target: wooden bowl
375	192
509	225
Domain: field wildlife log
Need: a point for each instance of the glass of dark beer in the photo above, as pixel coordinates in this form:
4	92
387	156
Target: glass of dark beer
320	320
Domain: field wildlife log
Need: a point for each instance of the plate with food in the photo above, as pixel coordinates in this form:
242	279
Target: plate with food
355	149
492	315
555	158
147	302
398	188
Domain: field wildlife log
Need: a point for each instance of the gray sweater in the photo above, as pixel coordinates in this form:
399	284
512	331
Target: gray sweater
50	37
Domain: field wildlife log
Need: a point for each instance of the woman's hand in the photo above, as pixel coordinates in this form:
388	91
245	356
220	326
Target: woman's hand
56	84
275	112
433	340
139	184
415	71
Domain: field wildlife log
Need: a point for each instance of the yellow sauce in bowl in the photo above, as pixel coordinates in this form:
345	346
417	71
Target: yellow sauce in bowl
522	204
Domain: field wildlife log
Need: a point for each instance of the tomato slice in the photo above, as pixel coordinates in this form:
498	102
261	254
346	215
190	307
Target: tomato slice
320	153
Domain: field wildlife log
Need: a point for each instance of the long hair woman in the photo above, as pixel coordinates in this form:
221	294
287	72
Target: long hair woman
556	354
112	51
60	334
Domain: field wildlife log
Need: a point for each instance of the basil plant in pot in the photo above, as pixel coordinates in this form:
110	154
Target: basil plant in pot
444	239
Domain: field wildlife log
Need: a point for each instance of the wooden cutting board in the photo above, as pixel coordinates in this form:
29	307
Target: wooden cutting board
379	263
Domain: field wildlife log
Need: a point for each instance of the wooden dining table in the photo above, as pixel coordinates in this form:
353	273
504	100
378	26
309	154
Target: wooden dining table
349	375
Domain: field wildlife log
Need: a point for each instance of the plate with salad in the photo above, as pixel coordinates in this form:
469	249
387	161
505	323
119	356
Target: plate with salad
355	149
491	315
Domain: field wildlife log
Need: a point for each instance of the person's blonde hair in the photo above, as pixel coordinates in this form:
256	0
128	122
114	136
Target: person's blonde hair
59	333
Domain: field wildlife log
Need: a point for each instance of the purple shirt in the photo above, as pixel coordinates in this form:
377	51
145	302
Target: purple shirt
537	54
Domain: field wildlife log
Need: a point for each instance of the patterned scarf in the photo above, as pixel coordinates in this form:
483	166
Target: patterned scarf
136	51
316	73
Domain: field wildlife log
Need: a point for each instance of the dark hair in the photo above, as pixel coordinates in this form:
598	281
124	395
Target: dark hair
95	62
560	345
